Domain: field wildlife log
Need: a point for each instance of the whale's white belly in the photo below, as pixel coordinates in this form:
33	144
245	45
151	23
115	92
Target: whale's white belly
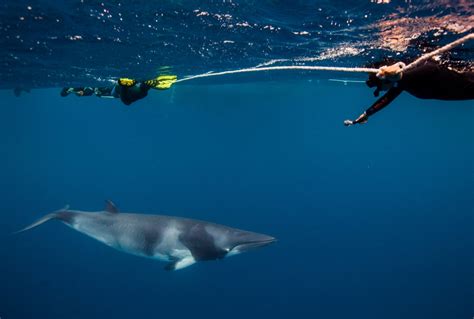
130	239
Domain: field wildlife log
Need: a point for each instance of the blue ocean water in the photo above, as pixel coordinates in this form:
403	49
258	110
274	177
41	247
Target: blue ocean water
374	221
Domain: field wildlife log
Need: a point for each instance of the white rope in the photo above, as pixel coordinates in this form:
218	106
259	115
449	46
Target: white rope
289	67
336	69
447	47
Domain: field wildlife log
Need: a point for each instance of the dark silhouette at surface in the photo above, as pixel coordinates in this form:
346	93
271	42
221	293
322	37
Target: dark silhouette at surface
427	81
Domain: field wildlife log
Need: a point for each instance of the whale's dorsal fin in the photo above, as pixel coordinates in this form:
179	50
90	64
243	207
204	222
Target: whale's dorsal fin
110	207
65	208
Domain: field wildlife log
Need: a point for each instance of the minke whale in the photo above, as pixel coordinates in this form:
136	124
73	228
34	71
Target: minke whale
180	242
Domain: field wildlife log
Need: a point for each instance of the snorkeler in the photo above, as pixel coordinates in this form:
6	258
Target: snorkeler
429	80
128	90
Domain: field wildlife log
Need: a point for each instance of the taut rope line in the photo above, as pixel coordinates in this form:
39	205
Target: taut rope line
394	71
286	67
443	49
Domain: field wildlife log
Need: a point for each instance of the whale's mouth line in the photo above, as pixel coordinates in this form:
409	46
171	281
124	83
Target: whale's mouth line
269	241
254	244
257	242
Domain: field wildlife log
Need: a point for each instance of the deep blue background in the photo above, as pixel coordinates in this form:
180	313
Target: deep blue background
373	221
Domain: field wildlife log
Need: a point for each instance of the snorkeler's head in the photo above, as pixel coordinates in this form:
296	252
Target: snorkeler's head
381	84
386	82
64	92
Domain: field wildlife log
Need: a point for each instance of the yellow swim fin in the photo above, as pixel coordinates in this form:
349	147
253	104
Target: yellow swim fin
162	82
126	82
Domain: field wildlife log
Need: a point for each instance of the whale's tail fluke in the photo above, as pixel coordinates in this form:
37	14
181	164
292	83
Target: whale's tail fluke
40	221
55	215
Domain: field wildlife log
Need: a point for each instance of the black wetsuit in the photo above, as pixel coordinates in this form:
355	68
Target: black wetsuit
130	94
428	81
88	91
127	94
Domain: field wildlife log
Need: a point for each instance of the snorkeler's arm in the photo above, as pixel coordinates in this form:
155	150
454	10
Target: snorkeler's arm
382	102
79	91
105	92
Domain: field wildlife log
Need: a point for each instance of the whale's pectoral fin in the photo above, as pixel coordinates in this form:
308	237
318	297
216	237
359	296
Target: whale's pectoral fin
180	263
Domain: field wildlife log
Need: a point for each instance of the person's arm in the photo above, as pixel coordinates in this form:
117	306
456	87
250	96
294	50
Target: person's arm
382	102
87	91
105	92
80	91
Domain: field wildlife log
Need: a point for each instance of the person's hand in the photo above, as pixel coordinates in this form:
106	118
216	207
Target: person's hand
391	72
362	119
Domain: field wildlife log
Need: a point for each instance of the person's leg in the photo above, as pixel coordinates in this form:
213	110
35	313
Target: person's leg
162	82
